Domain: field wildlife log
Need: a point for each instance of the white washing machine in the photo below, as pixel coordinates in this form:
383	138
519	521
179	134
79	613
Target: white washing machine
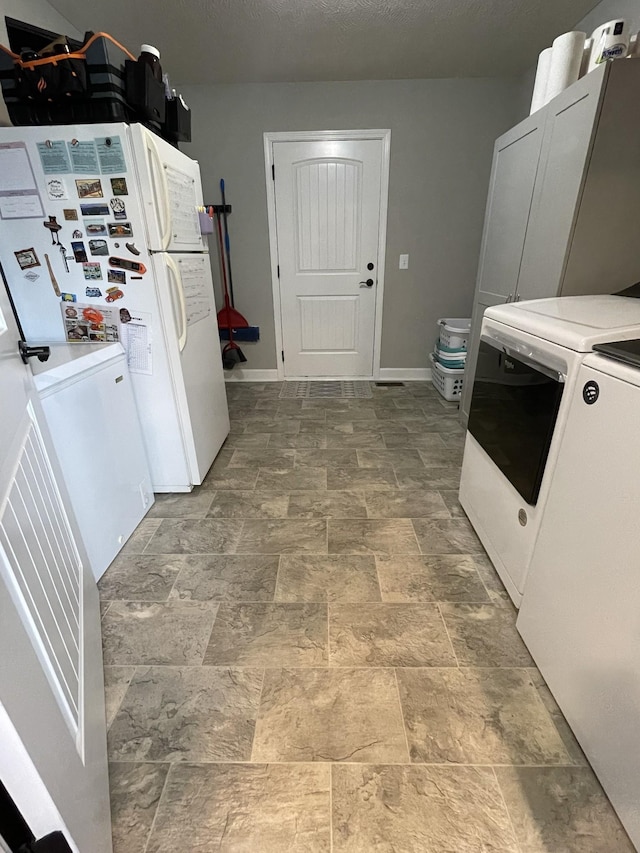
530	353
580	614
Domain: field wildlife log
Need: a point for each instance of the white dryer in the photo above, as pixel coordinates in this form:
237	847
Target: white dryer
529	357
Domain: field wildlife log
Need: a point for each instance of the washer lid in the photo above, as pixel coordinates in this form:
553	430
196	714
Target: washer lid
575	322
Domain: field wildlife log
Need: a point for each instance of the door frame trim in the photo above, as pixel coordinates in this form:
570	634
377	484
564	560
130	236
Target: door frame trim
384	136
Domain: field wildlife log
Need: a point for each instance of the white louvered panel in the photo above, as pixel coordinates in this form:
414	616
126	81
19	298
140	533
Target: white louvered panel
328	323
42	568
327	215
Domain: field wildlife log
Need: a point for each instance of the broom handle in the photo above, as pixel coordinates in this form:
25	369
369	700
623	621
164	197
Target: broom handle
227	242
225	289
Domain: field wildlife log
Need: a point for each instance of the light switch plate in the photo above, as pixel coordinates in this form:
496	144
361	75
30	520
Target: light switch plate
404	262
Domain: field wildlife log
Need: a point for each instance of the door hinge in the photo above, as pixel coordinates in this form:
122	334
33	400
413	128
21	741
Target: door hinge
282	354
273	172
278	270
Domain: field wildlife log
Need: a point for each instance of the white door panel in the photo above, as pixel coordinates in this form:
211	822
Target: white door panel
328	208
51	685
171	188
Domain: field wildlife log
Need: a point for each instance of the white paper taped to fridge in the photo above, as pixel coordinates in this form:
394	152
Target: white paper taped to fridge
135	336
195	284
19	197
184	215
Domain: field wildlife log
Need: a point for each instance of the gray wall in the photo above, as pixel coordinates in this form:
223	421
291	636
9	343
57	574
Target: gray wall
39	13
442	135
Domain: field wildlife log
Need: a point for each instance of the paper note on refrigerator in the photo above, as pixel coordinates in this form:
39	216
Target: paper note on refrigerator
195	284
135	337
19	197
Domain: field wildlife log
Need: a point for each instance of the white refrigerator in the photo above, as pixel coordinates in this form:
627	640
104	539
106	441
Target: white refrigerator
100	240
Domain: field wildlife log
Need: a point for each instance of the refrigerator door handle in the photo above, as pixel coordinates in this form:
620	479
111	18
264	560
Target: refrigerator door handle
165	215
174	275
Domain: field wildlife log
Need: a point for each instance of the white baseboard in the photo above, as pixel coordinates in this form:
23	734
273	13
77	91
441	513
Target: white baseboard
394	374
246	374
405	374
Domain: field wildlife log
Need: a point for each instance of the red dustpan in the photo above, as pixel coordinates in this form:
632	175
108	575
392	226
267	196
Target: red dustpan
228	317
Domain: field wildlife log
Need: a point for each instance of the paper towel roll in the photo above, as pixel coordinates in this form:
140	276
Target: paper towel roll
586	56
540	86
566	59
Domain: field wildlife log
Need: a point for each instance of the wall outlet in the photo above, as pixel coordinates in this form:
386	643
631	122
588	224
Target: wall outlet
404	262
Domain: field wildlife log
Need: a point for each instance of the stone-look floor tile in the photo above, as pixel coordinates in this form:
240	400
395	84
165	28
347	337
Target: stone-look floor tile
492	582
231	478
329	715
428	478
195	536
401	503
290	536
361	478
484	635
359	440
138	577
326	458
477	716
327	504
222	459
135	794
386	458
313	426
447	422
299	478
446	536
269	458
271	634
254	503
437	578
171	633
226	578
104	606
365	634
455	441
187	714
450	497
284	424
140	537
116	681
351	415
564	729
370	536
445	457
561	808
331	578
405	441
298	442
254	440
235	808
418	809
189	505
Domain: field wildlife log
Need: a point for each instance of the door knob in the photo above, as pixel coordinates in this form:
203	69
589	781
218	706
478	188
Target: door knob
27	352
367	283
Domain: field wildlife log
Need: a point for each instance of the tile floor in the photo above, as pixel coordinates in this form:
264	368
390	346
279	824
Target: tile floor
311	652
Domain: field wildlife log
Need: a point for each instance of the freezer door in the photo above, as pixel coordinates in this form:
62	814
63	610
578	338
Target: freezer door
74	206
171	190
191	331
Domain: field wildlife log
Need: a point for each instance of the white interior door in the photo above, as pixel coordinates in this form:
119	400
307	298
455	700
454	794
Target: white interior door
329	206
52	719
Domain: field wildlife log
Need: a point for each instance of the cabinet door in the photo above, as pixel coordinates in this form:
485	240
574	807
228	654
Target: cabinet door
483	302
513	174
566	148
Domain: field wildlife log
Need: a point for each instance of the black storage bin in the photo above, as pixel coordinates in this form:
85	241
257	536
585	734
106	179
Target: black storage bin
145	94
80	88
177	125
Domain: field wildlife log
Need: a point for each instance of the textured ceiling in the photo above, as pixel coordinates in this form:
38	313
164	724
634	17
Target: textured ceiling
304	40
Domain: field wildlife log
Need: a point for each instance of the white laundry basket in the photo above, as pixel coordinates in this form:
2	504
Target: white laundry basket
454	333
446	380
